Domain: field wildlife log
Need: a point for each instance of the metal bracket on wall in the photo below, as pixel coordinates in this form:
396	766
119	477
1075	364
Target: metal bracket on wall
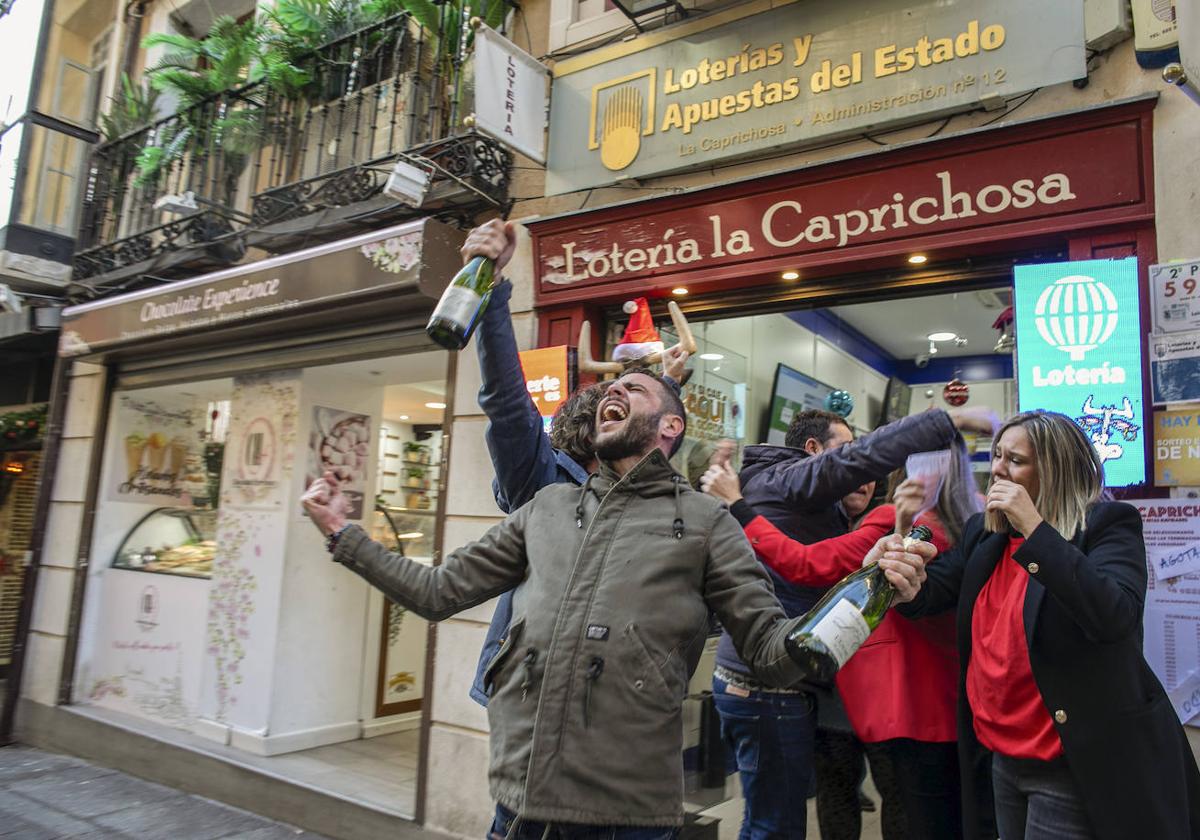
1175	74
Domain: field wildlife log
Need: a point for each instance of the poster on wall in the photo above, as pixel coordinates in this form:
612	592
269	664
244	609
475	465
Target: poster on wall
261	440
1171	529
549	378
1177	448
340	443
1175	367
793	392
1175	288
1079	352
158	449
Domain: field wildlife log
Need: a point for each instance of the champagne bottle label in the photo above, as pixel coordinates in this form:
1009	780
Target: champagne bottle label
458	305
842	630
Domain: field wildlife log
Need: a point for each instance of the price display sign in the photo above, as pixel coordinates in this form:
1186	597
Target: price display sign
1176	289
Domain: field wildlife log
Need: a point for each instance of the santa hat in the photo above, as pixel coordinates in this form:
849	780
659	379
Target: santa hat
640	338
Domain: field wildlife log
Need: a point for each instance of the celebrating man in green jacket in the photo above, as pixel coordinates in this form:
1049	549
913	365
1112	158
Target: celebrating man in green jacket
614	581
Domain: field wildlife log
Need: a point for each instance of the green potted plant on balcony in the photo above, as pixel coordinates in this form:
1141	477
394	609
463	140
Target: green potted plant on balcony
198	72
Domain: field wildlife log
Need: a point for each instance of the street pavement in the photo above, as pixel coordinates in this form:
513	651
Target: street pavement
45	795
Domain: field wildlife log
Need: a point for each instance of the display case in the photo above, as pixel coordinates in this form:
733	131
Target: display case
403	529
172	541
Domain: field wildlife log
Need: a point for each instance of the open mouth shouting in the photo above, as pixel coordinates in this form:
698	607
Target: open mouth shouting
612	413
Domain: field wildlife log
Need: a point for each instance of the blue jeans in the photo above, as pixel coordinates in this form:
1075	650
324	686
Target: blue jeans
502	824
1037	800
772	736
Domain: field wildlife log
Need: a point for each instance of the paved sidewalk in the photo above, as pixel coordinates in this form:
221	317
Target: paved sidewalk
45	795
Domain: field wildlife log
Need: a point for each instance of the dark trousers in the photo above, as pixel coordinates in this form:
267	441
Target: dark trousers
929	786
1037	800
839	759
502	829
771	736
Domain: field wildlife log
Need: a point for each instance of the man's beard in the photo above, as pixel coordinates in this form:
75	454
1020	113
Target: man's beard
636	438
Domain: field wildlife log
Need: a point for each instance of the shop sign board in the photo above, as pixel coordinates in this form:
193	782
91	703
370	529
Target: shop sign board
411	254
1177	448
548	378
510	94
768	75
1175	367
1079	352
1176	291
803	217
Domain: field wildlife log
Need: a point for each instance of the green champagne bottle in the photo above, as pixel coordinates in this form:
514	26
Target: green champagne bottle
836	627
457	312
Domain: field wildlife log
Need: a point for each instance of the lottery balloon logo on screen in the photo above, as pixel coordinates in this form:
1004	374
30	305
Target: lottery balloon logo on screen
1076	314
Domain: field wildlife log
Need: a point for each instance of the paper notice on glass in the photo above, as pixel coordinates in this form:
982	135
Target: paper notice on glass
1175	367
1172	617
1185	697
1175	288
1175	562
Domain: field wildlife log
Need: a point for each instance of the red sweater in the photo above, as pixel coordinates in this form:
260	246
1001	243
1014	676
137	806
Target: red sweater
903	682
1009	713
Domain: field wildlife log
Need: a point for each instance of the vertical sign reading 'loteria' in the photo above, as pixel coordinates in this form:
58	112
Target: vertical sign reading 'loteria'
1079	352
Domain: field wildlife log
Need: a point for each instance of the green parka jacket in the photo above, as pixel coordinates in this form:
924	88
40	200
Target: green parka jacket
614	582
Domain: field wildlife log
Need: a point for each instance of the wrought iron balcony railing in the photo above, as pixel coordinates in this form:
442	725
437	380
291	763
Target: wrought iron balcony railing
258	162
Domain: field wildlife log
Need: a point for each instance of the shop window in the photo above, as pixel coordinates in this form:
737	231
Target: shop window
172	540
161	485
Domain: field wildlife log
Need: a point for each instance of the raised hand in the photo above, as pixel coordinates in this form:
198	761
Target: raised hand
496	239
721	481
981	420
326	504
909	498
673	359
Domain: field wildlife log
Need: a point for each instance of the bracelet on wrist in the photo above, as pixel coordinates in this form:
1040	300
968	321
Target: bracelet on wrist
331	541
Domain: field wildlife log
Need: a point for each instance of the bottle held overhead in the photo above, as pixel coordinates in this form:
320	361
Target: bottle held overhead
462	303
837	626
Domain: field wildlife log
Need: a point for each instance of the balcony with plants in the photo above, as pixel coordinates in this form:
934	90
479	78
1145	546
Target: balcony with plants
285	130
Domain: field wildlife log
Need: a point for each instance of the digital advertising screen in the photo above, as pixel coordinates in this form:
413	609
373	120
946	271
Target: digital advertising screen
1079	352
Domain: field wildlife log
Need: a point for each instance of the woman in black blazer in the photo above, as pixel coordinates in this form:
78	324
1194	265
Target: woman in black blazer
1064	731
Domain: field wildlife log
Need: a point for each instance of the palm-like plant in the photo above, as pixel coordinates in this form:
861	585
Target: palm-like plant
198	71
135	108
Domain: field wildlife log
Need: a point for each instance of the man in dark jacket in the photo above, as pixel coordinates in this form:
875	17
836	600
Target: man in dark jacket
524	457
798	487
586	713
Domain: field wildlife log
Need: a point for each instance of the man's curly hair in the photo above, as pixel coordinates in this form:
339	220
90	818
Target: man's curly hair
573	429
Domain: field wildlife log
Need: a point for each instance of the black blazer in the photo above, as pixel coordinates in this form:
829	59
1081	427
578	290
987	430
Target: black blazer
1122	740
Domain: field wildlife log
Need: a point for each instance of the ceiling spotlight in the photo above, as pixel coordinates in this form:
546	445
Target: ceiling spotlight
679	290
960	341
403	416
411	535
1005	344
712	357
790	275
918	259
942	336
932	348
436	405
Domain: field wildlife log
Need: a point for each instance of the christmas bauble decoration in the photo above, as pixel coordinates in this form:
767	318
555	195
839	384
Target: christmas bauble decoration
956	393
840	403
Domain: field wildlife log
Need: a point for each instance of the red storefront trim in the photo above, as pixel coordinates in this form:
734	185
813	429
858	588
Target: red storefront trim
1105	155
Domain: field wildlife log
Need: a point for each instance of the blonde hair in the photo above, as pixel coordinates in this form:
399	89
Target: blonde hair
1070	472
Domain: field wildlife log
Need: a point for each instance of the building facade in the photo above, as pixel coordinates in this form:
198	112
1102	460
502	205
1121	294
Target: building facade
774	197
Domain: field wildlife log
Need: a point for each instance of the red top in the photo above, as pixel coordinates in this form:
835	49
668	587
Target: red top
1010	716
903	682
